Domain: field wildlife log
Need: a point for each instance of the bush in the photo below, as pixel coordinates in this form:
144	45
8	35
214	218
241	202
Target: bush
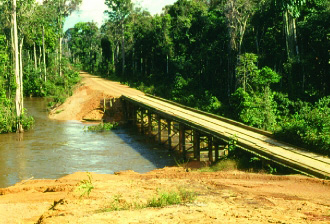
102	127
172	198
309	127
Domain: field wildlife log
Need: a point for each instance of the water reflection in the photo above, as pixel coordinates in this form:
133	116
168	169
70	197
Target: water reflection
54	149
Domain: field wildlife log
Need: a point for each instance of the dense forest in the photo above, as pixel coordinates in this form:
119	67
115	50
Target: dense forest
31	62
264	63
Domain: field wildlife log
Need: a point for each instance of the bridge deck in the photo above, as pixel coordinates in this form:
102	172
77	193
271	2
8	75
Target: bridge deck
253	140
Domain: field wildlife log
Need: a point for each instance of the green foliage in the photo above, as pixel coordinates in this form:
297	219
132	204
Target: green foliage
57	89
102	127
232	144
222	165
309	127
172	198
255	109
119	204
265	77
86	186
247	70
163	199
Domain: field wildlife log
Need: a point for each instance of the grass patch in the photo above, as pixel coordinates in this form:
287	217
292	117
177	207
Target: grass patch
59	111
163	199
172	198
222	165
120	204
86	186
102	127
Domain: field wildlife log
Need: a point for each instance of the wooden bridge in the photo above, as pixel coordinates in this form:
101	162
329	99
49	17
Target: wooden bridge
197	132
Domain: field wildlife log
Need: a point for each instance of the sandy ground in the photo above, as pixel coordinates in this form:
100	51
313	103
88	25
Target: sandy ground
222	197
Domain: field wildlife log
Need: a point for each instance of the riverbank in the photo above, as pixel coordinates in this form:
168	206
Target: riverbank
221	197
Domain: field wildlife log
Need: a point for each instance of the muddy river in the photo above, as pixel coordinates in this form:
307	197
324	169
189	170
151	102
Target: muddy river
54	148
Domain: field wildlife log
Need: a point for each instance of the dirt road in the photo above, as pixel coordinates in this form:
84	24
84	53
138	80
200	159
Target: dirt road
221	197
85	102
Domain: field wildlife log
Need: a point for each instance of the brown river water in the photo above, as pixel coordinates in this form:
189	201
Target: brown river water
57	148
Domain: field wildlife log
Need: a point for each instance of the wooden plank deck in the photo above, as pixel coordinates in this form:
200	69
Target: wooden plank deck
254	140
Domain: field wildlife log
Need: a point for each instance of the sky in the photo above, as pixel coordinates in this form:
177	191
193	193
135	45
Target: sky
92	10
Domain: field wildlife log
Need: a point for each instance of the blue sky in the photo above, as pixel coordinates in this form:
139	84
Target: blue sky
92	10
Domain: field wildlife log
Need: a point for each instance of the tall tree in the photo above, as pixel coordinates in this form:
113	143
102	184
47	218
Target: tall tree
18	99
291	10
118	12
238	12
63	8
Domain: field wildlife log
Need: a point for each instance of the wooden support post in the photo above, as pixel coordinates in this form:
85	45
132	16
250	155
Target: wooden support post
217	151
197	151
142	120
125	109
169	135
182	141
134	115
128	110
149	124
210	147
104	106
159	120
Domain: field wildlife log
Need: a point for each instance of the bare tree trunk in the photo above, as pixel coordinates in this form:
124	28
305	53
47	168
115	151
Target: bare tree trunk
123	50
290	35
44	52
35	56
21	71
40	56
60	57
167	64
18	101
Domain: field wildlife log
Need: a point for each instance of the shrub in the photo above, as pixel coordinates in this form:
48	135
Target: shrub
102	127
309	127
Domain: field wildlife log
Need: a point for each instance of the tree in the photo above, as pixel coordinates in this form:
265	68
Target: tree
19	98
62	9
238	13
291	11
83	42
119	10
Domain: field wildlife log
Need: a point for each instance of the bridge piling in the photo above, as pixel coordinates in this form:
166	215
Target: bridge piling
210	148
159	134
197	150
182	141
142	120
149	124
169	130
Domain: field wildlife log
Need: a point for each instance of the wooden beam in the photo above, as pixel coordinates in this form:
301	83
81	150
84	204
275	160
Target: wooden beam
142	121
159	121
169	135
149	124
134	114
217	145
182	141
210	147
197	152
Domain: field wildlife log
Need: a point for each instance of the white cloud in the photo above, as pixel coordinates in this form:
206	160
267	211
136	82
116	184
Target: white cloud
93	10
